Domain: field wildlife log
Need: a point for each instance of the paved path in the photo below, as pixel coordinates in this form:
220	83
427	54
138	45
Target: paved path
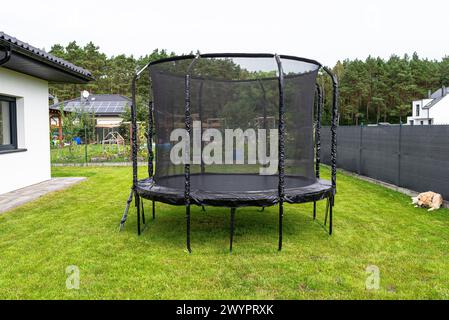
19	197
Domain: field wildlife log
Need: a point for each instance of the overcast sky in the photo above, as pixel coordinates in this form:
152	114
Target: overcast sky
324	30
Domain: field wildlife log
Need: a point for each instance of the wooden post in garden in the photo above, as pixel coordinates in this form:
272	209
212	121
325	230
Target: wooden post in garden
85	144
61	142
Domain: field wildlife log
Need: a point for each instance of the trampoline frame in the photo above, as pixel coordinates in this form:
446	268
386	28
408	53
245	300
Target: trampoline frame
319	100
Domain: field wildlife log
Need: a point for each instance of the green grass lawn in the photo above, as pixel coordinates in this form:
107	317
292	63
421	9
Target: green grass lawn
79	226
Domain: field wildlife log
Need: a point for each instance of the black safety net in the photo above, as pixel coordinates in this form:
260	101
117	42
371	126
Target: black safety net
232	98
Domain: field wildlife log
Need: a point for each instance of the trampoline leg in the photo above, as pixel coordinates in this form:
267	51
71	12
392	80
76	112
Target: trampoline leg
262	210
143	213
281	217
138	213
154	210
327	211
188	228
330	215
314	210
125	214
203	208
232	228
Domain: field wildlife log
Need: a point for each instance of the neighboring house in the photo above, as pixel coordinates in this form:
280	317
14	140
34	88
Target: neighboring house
433	110
107	108
25	72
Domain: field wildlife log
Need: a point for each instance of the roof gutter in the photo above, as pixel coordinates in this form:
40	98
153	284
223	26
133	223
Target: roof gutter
53	65
11	46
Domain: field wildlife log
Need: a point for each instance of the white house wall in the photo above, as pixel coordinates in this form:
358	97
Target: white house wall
440	111
421	104
21	169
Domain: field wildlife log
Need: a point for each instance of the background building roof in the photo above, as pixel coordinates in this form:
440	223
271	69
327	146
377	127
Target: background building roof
437	96
441	92
101	104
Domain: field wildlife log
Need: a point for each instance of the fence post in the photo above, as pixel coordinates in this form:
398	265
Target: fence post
360	149
85	144
399	154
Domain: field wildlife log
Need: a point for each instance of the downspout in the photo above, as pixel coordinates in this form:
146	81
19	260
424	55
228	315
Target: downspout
7	55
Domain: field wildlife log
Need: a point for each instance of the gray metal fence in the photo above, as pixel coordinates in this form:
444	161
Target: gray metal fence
413	157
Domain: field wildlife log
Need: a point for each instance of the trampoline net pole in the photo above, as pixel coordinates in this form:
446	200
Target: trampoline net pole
319	105
134	149
134	123
134	132
150	139
188	127
200	111
334	125
281	165
334	132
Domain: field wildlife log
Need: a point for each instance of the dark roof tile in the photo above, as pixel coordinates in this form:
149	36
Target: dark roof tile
51	58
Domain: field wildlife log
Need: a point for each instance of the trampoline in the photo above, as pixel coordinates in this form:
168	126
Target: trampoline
233	130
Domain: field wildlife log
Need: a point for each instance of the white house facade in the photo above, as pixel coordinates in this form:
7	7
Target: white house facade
29	163
24	131
433	110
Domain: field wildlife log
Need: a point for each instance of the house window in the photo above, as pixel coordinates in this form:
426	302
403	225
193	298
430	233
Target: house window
417	110
421	122
412	122
8	124
430	121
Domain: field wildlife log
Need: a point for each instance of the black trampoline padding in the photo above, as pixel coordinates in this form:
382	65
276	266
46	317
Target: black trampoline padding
233	190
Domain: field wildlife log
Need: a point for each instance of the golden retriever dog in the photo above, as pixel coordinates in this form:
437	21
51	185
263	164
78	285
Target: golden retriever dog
430	200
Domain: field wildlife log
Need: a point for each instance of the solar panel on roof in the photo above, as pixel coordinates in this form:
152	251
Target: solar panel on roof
94	106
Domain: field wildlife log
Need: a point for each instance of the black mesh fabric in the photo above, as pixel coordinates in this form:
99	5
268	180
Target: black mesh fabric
234	93
414	157
380	153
